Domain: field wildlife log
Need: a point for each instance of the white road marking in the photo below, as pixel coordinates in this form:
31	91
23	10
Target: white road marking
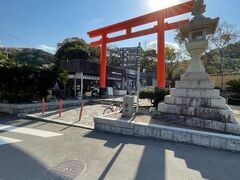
6	140
28	131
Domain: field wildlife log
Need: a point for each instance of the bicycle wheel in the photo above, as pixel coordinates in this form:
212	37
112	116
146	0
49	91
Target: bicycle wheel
108	110
118	109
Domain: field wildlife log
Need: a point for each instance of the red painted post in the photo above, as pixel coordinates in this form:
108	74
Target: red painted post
161	54
60	107
43	106
81	111
103	62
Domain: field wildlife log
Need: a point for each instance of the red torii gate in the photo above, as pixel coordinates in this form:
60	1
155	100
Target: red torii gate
160	28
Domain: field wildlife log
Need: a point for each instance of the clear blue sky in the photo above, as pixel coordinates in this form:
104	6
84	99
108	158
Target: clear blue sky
44	23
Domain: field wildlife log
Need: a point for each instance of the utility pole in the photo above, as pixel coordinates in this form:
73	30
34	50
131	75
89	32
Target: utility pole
138	74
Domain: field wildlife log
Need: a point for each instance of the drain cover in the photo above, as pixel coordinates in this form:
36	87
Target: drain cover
66	170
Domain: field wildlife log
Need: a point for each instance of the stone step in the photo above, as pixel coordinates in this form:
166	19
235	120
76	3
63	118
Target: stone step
233	128
224	115
196	102
199	93
194	85
195	76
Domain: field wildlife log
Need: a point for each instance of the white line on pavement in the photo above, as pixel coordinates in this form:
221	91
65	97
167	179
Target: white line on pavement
6	140
28	131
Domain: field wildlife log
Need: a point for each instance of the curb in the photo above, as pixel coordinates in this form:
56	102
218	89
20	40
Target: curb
175	134
28	116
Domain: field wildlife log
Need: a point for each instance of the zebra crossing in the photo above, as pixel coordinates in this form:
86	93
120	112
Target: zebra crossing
6	140
23	130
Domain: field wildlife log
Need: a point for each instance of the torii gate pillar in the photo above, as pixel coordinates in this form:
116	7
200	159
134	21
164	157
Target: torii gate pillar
161	54
103	62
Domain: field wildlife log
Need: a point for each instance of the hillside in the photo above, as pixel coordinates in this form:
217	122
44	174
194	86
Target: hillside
29	56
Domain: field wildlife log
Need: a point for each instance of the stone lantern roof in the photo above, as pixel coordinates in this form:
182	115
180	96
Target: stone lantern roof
199	26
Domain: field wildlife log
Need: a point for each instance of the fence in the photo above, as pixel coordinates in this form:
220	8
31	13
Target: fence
217	79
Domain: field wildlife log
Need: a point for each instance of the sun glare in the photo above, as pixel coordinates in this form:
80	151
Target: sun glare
161	4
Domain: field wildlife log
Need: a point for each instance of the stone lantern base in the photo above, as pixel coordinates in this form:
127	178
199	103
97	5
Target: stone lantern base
194	95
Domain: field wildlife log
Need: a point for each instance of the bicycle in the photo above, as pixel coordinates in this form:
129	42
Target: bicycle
113	108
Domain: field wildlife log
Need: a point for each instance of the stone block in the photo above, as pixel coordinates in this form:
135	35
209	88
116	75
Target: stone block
195	76
233	144
166	134
206	123
216	125
168	99
115	129
128	106
194	84
233	128
219	143
196	101
97	126
198	122
99	120
139	130
182	137
200	112
219	103
123	124
153	132
161	107
197	93
201	140
106	128
189	122
127	131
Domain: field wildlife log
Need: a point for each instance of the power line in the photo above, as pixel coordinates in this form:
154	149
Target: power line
15	37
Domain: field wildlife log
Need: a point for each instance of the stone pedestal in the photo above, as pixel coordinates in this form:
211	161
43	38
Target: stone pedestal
194	95
194	101
128	106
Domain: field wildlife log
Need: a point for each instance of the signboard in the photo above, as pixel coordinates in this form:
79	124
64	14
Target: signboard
110	91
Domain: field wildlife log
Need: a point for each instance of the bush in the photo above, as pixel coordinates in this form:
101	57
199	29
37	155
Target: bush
234	85
154	94
234	101
22	83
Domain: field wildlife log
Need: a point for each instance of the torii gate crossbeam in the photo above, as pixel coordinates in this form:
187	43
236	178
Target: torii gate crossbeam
160	28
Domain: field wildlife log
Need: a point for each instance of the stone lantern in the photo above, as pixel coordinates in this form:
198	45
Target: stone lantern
195	33
194	101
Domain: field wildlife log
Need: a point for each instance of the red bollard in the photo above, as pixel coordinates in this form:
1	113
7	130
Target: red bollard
43	106
60	107
81	110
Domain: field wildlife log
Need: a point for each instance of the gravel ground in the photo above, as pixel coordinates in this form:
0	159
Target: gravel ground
89	111
72	114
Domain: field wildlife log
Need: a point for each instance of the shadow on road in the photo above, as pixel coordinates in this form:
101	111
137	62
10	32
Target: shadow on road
211	164
19	165
152	160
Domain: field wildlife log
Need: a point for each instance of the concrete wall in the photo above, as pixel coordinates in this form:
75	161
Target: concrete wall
217	79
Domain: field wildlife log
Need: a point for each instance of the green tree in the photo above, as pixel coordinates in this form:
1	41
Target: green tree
72	48
94	53
171	65
234	85
113	56
29	56
224	36
149	60
2	56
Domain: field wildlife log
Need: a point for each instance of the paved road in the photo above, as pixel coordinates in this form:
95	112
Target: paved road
40	146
